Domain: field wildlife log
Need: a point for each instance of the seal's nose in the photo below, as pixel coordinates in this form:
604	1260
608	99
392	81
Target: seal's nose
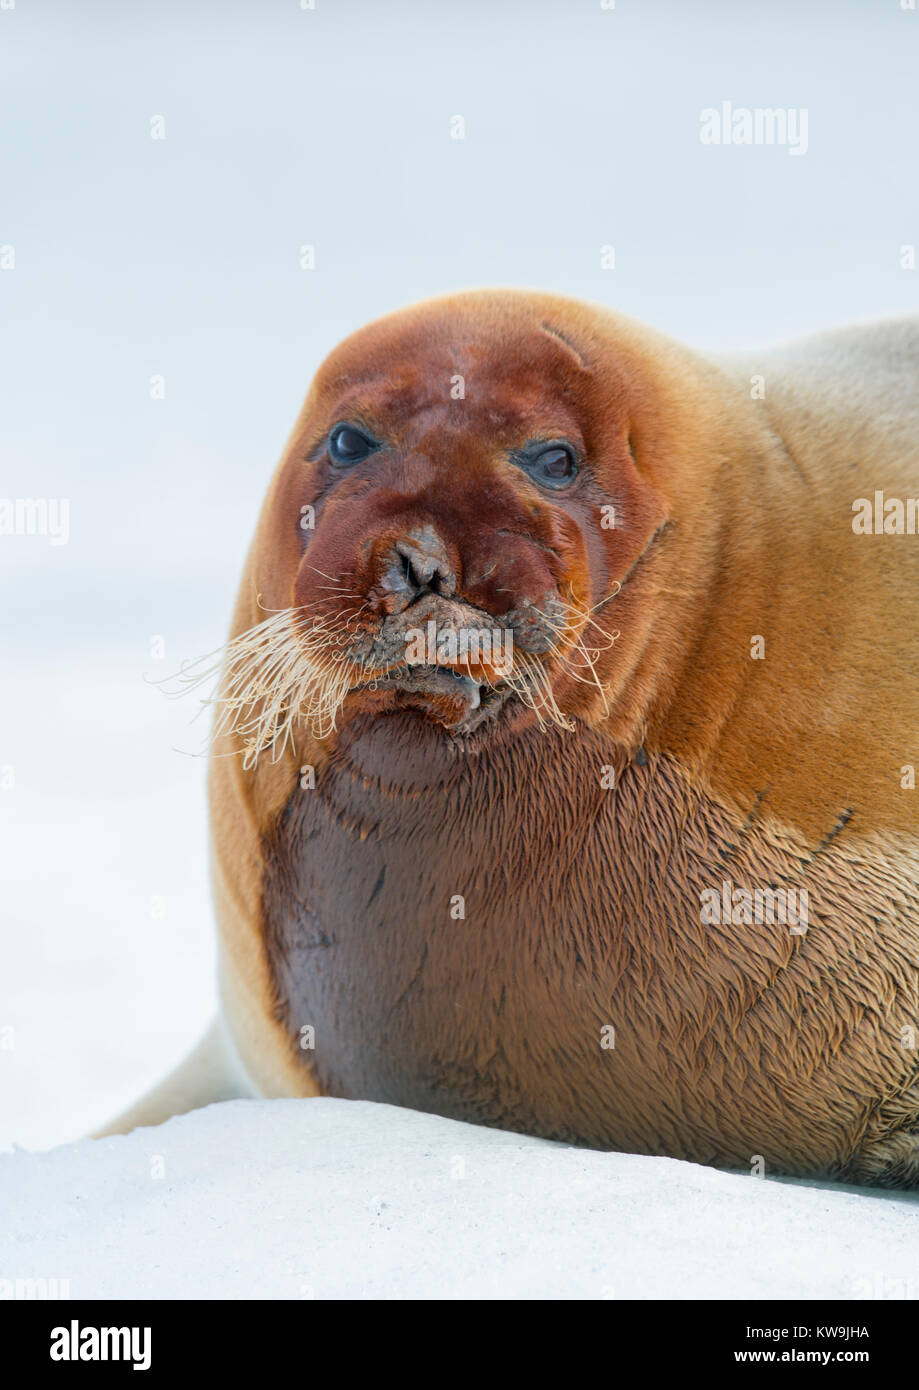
418	564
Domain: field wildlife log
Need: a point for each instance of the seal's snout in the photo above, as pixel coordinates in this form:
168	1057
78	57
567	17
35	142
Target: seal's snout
415	564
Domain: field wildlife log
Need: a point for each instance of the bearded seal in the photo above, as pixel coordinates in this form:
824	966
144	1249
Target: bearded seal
641	873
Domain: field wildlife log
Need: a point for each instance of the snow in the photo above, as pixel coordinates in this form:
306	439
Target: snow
322	1199
107	939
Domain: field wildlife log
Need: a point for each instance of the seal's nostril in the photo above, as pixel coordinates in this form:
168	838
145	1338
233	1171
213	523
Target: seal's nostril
420	574
425	567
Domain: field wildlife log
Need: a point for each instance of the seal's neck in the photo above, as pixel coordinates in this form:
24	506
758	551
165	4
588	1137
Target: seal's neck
751	674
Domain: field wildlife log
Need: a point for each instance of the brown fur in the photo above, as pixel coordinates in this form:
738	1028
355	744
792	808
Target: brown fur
582	903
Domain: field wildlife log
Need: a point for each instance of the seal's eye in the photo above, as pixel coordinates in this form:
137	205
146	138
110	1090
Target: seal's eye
348	445
552	465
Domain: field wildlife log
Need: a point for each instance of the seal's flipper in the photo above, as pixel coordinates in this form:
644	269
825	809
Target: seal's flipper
209	1073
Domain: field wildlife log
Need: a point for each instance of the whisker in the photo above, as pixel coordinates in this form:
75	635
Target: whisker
293	669
276	675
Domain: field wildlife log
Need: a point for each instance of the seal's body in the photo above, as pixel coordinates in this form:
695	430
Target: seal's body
654	884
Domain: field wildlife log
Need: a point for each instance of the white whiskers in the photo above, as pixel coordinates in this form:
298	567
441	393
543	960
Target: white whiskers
290	668
295	668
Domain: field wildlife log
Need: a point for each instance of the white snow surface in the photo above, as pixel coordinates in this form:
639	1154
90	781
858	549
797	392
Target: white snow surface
324	1199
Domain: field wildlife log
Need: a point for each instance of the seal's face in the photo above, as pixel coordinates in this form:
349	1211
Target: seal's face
458	507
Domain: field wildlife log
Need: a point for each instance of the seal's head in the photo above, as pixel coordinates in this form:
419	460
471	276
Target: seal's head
460	504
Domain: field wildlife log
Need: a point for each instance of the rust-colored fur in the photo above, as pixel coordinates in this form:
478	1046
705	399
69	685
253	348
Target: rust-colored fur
582	901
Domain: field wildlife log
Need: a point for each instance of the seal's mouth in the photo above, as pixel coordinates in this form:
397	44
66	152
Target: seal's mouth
438	680
455	697
440	656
